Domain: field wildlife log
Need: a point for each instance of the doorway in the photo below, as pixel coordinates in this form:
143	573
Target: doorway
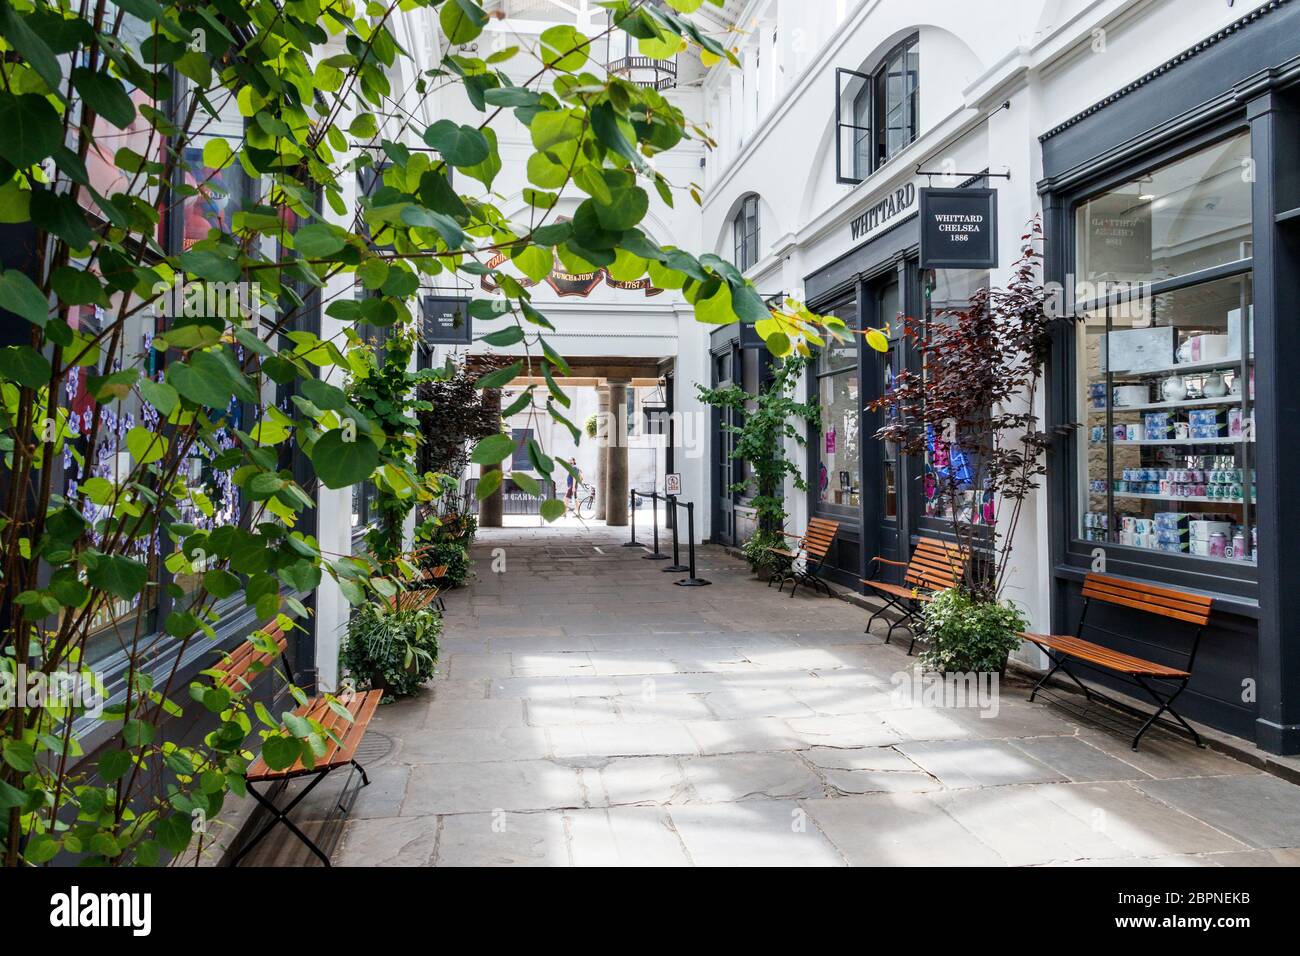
726	371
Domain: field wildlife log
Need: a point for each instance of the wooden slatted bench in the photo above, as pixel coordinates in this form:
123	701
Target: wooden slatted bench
1162	682
429	578
935	566
415	600
815	544
343	734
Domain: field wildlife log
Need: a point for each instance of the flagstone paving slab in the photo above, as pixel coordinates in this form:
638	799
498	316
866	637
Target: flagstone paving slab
1258	809
624	836
587	712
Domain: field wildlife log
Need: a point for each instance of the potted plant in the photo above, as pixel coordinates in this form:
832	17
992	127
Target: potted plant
391	650
967	413
968	635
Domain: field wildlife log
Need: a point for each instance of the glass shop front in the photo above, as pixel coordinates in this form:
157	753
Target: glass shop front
1175	394
882	500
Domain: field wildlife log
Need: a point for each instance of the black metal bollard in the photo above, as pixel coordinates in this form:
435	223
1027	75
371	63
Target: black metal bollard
692	581
655	555
631	517
677	565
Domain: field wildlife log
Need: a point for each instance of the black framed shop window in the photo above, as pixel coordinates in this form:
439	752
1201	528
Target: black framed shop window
836	481
1164	359
947	474
877	114
744	233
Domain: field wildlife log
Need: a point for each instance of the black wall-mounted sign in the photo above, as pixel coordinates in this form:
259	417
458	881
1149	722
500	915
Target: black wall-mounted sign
749	337
959	228
447	321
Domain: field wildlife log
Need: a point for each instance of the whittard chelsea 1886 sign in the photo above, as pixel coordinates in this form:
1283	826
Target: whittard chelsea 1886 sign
959	228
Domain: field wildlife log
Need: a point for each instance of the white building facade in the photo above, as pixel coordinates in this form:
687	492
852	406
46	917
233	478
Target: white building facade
1151	141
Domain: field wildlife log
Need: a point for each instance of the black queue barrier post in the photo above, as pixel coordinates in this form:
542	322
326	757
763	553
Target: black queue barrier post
677	565
655	555
692	581
631	507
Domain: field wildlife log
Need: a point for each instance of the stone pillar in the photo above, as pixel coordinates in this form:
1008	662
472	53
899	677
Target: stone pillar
616	461
490	508
602	441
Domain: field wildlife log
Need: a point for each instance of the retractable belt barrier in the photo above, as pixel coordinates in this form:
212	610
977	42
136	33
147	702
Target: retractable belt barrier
692	580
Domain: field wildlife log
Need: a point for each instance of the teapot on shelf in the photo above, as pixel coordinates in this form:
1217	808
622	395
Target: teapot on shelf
1214	386
1173	388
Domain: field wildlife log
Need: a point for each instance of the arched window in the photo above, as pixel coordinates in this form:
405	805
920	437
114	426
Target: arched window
744	233
883	108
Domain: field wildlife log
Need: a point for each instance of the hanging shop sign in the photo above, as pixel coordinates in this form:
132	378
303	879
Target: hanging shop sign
881	215
566	283
959	228
446	321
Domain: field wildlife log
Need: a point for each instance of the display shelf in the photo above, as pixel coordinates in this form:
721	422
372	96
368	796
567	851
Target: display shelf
1177	441
1182	554
1176	499
1228	400
1226	364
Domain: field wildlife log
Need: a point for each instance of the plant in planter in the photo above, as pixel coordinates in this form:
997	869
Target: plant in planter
968	635
453	554
392	651
757	554
968	415
767	420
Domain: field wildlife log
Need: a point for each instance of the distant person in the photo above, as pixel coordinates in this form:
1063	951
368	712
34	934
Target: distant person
571	492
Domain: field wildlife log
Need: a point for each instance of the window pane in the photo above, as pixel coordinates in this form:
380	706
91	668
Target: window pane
949	472
837	479
1167	404
105	424
1181	218
520	461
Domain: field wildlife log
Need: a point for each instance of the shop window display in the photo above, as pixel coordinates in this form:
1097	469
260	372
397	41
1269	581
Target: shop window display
838	394
1167	369
949	476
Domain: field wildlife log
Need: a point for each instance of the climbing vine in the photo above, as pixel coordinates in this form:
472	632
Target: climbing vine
767	420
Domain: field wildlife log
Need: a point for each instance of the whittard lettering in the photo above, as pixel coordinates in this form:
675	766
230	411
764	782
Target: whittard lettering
893	205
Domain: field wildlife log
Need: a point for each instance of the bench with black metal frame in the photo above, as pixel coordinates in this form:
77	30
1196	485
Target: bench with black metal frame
343	735
815	543
427	580
1162	683
935	566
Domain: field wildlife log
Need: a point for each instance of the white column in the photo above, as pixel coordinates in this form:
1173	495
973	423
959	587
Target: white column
1011	142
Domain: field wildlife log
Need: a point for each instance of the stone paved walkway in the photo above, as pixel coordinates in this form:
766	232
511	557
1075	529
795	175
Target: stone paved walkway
589	712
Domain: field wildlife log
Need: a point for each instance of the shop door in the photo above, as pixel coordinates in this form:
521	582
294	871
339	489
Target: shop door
725	372
881	503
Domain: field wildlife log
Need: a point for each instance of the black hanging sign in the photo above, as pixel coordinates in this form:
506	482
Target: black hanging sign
447	321
959	228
